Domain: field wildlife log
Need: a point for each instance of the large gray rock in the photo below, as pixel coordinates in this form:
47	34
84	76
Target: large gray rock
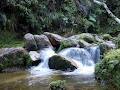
42	41
36	42
35	57
55	39
85	36
30	43
106	46
14	57
59	63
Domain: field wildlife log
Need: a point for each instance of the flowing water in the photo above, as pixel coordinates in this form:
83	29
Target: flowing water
39	77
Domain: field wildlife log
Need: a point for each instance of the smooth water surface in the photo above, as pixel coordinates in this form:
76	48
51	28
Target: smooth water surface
26	81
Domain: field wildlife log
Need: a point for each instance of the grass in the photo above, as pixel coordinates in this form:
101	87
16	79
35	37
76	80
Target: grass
8	39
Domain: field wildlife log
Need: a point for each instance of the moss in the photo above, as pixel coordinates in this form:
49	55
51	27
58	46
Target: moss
107	37
108	69
57	85
87	37
20	60
8	39
113	55
60	63
67	43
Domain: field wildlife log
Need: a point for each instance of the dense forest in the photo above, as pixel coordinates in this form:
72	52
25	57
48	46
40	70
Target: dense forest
59	16
29	25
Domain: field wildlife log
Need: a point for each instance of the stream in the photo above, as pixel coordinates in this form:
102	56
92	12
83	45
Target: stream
39	77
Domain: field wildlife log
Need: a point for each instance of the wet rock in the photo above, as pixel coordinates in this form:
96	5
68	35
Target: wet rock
106	46
35	56
30	43
14	57
55	39
59	63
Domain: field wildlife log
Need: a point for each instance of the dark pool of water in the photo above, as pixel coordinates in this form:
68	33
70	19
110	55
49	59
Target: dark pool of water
25	81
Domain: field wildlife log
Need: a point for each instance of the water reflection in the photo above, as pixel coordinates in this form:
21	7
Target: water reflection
25	81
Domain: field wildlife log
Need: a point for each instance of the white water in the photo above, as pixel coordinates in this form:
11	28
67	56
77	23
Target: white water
85	59
42	68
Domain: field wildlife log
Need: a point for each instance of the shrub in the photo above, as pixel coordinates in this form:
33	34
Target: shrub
108	69
57	85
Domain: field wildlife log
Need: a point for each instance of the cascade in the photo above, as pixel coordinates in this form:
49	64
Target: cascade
85	59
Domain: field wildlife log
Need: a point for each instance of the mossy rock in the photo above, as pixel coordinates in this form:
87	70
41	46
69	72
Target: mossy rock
57	85
59	63
87	37
14	57
117	40
107	37
83	43
66	43
108	69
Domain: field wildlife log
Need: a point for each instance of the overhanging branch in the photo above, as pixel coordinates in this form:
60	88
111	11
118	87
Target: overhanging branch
108	10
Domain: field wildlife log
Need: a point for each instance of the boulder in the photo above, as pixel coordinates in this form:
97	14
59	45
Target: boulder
74	37
83	44
14	57
30	43
66	43
107	37
55	39
87	37
59	63
35	56
99	39
42	41
106	46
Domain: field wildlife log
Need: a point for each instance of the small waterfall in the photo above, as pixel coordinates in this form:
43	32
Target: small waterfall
95	53
42	68
84	58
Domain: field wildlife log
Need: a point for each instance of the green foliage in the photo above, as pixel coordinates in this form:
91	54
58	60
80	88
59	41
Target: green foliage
8	39
108	69
22	11
117	41
67	43
35	16
113	55
57	85
106	24
19	59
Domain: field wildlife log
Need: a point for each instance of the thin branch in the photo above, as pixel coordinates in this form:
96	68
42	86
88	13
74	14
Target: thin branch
108	10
